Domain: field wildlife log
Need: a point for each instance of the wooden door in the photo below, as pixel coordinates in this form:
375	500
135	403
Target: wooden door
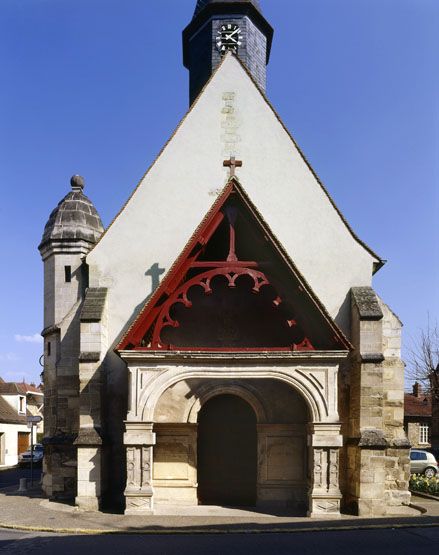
23	442
2	448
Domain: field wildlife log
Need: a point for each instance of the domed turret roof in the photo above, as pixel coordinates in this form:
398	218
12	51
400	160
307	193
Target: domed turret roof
203	3
75	218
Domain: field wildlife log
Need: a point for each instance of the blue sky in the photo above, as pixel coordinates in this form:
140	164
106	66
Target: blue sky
97	86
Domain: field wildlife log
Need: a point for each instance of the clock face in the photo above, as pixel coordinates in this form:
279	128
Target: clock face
229	37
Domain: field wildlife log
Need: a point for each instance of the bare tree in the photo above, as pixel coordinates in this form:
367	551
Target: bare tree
423	360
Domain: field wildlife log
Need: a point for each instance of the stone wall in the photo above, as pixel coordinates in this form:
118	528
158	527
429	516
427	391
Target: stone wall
61	382
89	443
377	449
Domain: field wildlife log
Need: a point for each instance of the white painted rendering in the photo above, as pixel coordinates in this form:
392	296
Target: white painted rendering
9	442
14	402
231	117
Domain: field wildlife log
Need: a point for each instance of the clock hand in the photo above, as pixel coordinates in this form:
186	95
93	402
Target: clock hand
231	34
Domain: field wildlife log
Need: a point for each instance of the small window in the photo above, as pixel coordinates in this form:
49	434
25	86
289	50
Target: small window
49	348
21	404
68	273
423	433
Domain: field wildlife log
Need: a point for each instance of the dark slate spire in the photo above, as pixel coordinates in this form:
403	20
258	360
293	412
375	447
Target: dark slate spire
213	20
203	3
74	219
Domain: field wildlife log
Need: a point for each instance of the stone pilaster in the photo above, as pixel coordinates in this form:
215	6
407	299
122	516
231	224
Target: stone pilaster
139	440
93	343
325	495
89	445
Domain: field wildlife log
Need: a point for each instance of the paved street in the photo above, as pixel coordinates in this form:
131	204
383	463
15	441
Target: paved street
11	477
388	542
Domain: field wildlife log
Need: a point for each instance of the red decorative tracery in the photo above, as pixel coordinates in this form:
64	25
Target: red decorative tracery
192	273
230	272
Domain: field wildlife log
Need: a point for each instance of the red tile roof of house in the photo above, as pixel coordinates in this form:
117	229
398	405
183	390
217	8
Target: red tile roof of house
417	406
8	415
18	388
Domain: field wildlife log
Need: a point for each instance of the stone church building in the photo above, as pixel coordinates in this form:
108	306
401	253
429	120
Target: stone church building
220	342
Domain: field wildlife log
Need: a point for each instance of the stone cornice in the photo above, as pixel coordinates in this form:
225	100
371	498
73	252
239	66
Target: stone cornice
71	246
265	357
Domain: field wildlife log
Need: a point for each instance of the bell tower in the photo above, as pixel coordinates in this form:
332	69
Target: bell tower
221	26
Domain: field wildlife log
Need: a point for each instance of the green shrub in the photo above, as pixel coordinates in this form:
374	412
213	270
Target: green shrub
418	482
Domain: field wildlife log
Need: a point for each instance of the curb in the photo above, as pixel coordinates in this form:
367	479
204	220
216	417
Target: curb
213	531
425	495
5	468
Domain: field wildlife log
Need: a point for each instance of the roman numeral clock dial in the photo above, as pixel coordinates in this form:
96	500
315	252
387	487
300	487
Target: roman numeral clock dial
229	37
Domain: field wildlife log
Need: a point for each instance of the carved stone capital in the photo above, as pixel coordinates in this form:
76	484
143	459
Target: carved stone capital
139	433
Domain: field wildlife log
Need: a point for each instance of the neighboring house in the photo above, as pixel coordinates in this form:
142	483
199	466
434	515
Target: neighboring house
17	401
417	417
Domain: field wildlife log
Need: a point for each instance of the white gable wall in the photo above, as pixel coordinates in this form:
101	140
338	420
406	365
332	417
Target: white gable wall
175	195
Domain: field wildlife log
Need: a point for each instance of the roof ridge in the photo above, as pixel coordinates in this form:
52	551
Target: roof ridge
379	261
302	155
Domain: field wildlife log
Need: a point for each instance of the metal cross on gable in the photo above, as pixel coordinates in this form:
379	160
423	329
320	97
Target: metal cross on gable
233	163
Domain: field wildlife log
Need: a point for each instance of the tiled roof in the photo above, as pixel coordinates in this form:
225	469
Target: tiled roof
417	406
8	415
17	388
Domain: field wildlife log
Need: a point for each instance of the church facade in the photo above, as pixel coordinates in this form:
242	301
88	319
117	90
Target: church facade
220	342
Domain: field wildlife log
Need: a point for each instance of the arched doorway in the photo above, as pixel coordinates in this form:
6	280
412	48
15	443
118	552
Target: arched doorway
227	452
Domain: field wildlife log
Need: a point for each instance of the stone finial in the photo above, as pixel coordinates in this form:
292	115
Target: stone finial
77	182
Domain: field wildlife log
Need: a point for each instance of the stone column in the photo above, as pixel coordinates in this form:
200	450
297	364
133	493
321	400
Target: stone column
139	440
325	495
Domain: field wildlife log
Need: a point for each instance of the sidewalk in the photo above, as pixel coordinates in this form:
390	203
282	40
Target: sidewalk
32	512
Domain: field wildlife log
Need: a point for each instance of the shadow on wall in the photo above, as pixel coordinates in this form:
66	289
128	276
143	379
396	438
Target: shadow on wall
343	317
115	407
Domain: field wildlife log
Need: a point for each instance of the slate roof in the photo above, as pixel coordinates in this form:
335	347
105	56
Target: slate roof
417	406
75	217
367	303
8	415
93	306
203	3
